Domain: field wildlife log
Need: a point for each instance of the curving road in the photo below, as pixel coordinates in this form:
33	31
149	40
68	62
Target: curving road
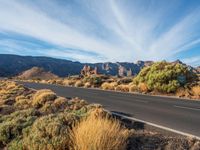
176	114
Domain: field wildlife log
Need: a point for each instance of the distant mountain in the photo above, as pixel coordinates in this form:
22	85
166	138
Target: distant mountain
13	65
193	69
37	73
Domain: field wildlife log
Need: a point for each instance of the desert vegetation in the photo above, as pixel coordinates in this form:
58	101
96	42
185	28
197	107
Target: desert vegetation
41	120
160	78
32	120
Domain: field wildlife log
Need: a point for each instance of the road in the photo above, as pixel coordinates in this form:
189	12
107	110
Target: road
177	114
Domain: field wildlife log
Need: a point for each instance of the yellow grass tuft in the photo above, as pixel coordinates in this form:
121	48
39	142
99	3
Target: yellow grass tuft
68	82
143	87
42	96
133	87
122	87
109	86
196	90
87	85
78	83
99	133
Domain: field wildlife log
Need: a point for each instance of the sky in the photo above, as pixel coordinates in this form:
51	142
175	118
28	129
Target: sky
102	30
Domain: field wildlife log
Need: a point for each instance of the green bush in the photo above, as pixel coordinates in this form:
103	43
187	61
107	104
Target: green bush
11	126
43	96
93	80
164	76
49	132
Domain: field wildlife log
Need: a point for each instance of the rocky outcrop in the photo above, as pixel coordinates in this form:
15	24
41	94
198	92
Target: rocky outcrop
87	71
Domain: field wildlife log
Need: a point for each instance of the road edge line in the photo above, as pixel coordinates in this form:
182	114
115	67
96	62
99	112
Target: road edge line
157	126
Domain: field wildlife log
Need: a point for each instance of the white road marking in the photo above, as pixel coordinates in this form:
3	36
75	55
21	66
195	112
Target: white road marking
158	126
190	108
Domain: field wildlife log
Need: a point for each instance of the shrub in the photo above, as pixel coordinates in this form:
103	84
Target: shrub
6	109
182	92
42	96
164	76
23	104
125	80
142	87
94	80
11	126
109	86
196	90
61	102
87	85
78	84
69	82
49	132
133	87
122	87
98	133
76	103
20	98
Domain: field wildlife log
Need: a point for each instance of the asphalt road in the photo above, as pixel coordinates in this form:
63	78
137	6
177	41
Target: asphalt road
178	114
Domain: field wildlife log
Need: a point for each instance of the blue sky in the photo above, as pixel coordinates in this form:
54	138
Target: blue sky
102	30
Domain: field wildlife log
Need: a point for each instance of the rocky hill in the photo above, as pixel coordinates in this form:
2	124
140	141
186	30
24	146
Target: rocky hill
37	73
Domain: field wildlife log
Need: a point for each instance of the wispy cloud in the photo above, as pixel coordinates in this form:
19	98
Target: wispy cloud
192	60
103	30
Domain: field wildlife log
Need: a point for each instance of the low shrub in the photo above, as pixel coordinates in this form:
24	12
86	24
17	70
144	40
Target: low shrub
125	80
87	85
143	87
42	96
183	92
196	90
133	87
94	80
6	109
122	87
61	102
49	132
78	84
22	104
109	86
11	126
68	82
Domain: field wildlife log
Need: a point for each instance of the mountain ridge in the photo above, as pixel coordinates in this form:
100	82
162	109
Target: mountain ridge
13	65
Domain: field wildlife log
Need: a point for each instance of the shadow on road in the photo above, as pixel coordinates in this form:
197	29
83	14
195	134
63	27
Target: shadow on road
129	123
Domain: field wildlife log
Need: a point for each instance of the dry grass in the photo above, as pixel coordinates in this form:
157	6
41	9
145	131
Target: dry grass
78	83
196	90
133	87
87	85
42	96
99	133
68	82
109	86
122	87
181	92
143	87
